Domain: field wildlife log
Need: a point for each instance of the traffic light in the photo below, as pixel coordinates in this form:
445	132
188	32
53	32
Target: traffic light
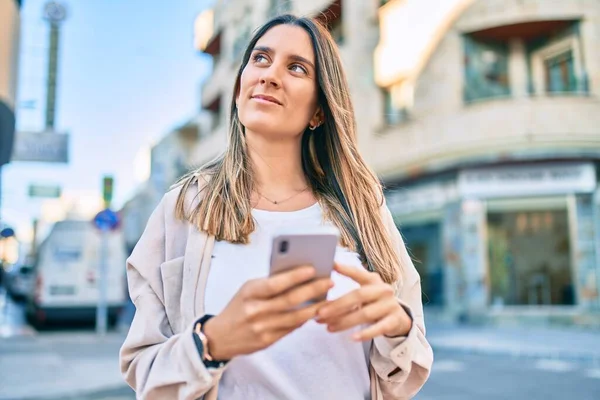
107	190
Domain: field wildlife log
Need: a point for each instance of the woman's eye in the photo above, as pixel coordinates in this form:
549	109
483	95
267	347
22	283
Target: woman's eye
259	58
298	68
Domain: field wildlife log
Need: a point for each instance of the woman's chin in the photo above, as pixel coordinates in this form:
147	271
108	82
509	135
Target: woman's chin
270	130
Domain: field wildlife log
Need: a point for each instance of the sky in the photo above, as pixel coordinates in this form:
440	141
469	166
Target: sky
128	73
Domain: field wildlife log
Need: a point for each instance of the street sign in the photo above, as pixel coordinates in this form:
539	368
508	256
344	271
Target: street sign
41	147
7	232
46	191
107	190
107	220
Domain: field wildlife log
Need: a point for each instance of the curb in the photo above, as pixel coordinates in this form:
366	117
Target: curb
117	392
521	353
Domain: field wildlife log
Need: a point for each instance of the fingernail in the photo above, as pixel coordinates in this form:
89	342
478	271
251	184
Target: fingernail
356	337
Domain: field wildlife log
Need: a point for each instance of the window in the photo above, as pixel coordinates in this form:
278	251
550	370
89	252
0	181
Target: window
560	73
239	44
530	258
486	70
397	102
337	31
332	17
557	63
216	113
242	37
278	7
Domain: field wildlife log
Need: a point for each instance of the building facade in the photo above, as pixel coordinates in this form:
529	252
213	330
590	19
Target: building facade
491	147
482	118
9	51
170	159
224	31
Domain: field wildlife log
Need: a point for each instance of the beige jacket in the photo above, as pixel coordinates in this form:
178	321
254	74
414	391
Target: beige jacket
167	274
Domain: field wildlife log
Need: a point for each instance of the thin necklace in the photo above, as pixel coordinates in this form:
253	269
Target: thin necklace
284	200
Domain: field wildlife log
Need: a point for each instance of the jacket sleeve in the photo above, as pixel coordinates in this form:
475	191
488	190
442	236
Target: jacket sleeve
403	364
156	363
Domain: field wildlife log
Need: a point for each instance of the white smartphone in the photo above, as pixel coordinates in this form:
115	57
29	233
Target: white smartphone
294	247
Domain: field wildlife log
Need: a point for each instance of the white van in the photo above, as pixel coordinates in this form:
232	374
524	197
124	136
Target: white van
67	274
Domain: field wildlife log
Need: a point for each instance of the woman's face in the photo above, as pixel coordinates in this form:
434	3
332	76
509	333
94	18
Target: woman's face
278	87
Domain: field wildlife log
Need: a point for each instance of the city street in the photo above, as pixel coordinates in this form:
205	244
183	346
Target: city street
73	363
458	139
494	377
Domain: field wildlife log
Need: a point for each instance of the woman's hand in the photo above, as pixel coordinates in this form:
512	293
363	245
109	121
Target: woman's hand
373	303
263	311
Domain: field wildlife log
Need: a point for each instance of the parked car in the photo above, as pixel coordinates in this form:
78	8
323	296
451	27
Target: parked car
20	281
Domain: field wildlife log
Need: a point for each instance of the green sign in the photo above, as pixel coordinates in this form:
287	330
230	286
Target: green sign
107	190
46	191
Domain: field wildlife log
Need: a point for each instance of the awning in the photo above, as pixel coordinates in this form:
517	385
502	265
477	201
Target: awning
410	31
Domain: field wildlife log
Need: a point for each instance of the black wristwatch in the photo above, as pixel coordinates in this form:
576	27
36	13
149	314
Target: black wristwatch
202	344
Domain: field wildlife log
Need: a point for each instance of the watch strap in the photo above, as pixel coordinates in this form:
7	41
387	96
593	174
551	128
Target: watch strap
202	344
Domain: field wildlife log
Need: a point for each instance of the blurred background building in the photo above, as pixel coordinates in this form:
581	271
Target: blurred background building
9	51
482	120
170	159
491	143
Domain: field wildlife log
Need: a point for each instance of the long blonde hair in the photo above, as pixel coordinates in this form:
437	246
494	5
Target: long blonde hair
347	189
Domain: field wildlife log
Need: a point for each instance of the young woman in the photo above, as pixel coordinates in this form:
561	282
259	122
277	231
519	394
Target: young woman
208	316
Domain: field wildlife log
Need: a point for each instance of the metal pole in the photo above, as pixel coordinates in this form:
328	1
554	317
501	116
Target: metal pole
102	309
596	216
52	75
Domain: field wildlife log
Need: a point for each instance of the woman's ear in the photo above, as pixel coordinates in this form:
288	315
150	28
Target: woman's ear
317	119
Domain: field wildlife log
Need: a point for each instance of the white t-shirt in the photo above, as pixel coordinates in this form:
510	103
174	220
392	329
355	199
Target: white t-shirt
310	363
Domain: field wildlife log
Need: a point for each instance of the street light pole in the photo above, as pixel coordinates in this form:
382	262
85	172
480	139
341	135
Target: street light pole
102	309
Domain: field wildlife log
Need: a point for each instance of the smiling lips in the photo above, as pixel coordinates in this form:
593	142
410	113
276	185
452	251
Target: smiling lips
265	98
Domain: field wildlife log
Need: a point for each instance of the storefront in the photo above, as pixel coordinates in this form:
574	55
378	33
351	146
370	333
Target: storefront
516	236
419	212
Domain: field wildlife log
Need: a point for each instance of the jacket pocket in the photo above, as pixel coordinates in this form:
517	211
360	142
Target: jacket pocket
172	278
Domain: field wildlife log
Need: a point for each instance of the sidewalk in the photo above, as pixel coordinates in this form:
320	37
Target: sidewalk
59	365
570	344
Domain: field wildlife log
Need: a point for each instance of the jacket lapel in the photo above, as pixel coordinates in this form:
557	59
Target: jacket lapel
192	265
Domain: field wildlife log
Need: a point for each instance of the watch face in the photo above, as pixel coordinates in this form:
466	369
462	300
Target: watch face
54	11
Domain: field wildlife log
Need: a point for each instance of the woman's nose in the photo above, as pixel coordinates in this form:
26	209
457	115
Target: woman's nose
270	78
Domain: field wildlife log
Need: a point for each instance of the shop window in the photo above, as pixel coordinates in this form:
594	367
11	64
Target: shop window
530	258
486	69
425	246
